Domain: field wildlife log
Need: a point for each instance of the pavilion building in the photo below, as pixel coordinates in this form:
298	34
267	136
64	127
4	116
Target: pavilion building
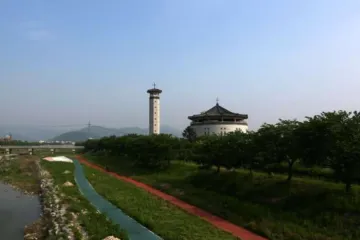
218	120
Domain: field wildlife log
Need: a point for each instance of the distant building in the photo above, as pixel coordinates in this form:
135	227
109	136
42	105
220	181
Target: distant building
7	138
218	120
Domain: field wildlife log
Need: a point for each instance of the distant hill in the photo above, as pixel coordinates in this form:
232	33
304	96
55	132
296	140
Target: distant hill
16	136
28	133
103	131
170	130
75	136
99	132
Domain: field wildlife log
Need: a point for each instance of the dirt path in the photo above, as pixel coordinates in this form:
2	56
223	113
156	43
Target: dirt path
216	221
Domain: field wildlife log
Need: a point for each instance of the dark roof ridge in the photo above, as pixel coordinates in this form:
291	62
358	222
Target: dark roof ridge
154	90
218	111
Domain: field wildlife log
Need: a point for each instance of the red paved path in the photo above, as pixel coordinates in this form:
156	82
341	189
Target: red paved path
237	231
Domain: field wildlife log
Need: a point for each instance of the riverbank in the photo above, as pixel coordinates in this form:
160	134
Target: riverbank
20	171
66	214
71	214
20	174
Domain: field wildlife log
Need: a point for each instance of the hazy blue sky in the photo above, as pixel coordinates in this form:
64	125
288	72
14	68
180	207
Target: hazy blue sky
67	62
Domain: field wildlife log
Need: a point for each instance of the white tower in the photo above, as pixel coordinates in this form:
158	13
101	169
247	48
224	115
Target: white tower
154	110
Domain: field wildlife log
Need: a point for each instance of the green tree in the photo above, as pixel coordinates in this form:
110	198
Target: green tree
189	134
277	143
314	138
238	150
345	154
330	139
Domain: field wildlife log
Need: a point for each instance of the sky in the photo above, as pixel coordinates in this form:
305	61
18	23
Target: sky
69	62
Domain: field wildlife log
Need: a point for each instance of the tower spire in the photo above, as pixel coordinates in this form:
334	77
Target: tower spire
217	101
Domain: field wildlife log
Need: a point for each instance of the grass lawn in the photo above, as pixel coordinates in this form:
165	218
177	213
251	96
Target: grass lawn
168	221
307	209
90	222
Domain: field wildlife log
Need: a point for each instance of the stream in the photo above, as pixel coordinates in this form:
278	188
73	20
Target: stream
16	211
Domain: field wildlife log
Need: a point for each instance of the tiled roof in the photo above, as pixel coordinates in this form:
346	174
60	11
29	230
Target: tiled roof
218	110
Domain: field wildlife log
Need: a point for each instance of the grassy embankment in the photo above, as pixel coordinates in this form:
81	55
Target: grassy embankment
79	214
20	172
168	221
65	211
306	209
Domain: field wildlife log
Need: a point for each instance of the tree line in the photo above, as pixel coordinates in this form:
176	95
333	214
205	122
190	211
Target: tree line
326	145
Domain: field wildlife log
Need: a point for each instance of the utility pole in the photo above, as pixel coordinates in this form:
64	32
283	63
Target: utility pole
89	125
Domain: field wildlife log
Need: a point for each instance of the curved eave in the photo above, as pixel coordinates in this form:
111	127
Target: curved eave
154	90
237	116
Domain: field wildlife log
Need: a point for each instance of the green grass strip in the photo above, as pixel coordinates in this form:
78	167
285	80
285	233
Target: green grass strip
96	225
163	218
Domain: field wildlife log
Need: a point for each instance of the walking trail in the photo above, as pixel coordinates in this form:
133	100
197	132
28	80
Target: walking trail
216	221
134	229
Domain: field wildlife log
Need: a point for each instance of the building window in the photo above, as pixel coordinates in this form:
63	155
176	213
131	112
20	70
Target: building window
206	131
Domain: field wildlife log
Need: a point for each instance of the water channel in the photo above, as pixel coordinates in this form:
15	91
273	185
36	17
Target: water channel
16	211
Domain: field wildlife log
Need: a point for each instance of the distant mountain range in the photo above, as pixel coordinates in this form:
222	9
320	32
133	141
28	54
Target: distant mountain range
99	132
32	133
28	133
